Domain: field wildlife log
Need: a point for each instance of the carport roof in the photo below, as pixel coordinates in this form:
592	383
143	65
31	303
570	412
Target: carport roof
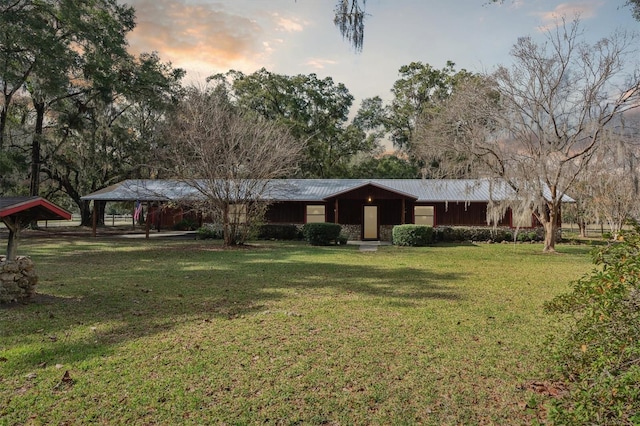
32	208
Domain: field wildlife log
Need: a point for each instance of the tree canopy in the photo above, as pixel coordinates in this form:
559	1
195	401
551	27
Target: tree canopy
70	89
537	125
315	110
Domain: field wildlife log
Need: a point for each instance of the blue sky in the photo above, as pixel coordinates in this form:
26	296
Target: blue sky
298	36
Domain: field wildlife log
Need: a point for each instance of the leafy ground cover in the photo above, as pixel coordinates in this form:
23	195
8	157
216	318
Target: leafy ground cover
182	332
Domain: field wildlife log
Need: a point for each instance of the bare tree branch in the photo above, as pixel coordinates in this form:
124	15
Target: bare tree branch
537	124
230	158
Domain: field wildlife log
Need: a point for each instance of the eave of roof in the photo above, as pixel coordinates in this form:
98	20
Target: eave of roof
37	207
319	190
370	183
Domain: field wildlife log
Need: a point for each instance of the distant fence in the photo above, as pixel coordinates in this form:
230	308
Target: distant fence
592	230
109	220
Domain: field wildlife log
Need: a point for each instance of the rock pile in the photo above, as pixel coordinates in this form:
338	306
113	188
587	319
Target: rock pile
18	279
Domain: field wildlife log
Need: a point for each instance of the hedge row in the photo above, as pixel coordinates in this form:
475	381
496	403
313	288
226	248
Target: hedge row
403	235
419	235
274	231
412	235
323	234
497	235
262	232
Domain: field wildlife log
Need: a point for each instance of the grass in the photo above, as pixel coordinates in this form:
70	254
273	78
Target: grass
181	332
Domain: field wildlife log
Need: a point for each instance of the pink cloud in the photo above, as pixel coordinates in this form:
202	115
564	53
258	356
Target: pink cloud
582	10
195	33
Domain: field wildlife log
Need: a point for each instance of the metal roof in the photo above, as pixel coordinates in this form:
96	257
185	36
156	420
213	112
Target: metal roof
31	208
144	190
316	190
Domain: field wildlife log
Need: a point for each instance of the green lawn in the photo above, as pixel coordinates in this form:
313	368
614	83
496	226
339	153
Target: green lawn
181	332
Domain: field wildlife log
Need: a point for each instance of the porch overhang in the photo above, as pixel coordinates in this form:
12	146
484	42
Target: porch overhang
378	188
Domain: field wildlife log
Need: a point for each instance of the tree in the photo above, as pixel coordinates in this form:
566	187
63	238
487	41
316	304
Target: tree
230	157
608	190
86	41
349	18
635	8
384	167
46	45
314	110
100	137
24	41
537	125
420	89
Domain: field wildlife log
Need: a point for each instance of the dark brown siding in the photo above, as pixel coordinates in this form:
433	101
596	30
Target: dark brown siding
464	214
292	212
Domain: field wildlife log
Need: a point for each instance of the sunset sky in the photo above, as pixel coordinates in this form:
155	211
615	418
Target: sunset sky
298	36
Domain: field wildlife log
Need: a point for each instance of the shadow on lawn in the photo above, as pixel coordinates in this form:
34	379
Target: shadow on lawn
154	288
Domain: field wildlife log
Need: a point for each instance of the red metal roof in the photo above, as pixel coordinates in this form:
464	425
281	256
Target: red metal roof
33	208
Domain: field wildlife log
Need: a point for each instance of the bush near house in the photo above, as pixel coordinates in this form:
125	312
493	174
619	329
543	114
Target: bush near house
412	235
186	225
321	234
210	231
497	235
274	231
598	354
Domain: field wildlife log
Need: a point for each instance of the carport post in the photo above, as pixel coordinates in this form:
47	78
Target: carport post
404	207
147	221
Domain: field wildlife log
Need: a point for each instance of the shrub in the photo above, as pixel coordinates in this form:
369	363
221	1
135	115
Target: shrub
598	355
463	233
278	232
186	225
321	234
342	239
412	235
210	231
460	233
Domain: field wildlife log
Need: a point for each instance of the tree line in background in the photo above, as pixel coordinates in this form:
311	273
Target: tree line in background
80	113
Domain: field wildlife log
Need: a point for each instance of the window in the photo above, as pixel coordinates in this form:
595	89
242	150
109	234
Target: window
522	219
315	214
237	213
423	215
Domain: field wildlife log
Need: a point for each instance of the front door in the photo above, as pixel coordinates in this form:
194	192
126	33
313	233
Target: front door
370	227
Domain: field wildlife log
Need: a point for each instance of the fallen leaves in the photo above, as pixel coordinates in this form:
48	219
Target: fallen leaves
547	389
65	382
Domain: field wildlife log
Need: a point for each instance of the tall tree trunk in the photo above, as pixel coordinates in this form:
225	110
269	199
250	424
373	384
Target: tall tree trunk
85	213
550	224
582	227
3	123
34	187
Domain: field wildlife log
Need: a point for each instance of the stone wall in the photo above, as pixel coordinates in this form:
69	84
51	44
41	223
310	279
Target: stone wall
353	232
18	279
386	233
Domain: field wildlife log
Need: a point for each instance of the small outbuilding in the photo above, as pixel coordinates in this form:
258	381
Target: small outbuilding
18	212
18	278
